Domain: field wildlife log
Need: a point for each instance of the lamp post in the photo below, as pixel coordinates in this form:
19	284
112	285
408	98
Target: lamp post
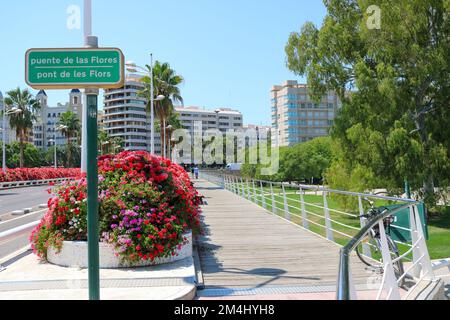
105	143
169	127
13	110
54	147
133	68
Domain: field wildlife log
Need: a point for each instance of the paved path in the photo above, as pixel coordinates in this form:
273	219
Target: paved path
248	251
17	199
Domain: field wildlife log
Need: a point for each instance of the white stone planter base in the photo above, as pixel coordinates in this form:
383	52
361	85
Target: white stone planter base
74	254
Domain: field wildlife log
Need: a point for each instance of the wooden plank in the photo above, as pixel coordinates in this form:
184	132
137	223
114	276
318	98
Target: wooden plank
246	246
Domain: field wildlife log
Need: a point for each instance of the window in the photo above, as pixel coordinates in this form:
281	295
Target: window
75	100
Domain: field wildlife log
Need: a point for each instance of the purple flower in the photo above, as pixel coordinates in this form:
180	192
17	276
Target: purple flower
114	226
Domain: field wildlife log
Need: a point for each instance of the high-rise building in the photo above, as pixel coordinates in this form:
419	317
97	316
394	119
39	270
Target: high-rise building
47	119
194	118
296	117
125	116
222	119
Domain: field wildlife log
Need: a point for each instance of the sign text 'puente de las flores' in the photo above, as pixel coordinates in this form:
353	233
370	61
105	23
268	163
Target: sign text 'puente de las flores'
68	68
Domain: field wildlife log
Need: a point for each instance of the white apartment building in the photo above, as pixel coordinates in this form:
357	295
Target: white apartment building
296	118
259	132
222	119
45	126
125	116
193	118
10	135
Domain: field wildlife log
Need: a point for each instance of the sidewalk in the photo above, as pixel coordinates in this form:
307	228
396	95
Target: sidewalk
29	279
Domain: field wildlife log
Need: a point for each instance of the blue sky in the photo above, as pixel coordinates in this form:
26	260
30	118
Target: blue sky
230	52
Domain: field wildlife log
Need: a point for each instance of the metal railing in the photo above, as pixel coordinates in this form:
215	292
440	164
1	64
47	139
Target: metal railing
348	229
30	183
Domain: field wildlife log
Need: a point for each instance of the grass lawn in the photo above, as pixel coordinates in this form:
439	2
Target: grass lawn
345	225
439	229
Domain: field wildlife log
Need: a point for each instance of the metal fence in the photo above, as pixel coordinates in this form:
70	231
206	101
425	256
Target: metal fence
317	209
30	183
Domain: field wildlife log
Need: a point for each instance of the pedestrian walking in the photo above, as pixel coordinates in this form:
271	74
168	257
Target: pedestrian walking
196	171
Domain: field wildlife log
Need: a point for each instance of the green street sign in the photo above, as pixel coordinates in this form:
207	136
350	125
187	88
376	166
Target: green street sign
68	68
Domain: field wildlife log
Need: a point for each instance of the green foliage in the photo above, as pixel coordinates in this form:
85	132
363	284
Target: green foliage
32	156
22	121
395	122
167	83
297	163
70	127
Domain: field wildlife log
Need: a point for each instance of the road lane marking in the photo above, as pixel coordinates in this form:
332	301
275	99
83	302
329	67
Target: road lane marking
23	217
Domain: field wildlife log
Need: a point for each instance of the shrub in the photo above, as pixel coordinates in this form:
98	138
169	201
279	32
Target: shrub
146	204
28	174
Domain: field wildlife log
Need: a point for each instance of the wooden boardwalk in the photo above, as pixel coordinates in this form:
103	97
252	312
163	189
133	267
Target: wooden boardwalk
246	247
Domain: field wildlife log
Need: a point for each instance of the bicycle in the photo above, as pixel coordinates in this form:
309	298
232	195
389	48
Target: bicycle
373	239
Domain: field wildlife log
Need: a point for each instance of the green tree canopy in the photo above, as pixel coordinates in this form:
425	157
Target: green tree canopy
394	85
69	124
22	121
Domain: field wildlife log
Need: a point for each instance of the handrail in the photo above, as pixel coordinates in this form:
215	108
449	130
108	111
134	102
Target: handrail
254	191
343	286
30	183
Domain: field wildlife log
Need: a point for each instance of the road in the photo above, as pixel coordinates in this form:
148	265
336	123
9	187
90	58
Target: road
18	199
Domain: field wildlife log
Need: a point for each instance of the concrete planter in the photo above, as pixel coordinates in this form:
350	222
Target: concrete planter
74	254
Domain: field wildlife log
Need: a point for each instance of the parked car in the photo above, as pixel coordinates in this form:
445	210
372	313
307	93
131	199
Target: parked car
233	167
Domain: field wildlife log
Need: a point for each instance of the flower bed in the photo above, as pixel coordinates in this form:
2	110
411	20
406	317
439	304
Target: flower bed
146	204
29	174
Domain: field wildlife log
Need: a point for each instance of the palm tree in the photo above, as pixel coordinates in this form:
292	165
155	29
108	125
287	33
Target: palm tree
22	121
103	139
69	125
166	82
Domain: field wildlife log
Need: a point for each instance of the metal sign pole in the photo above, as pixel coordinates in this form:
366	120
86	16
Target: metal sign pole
89	162
92	197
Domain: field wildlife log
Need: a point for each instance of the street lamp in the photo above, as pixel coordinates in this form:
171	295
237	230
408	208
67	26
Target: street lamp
54	147
6	113
104	143
169	127
133	68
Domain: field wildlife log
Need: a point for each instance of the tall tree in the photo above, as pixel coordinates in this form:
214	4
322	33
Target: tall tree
166	82
70	127
22	121
395	123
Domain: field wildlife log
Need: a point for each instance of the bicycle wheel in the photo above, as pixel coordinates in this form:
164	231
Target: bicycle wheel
374	244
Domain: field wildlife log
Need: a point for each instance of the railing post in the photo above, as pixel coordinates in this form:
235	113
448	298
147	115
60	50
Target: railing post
414	238
287	214
304	214
274	205
255	200
249	195
389	274
425	263
242	190
233	184
225	183
263	198
327	217
362	220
